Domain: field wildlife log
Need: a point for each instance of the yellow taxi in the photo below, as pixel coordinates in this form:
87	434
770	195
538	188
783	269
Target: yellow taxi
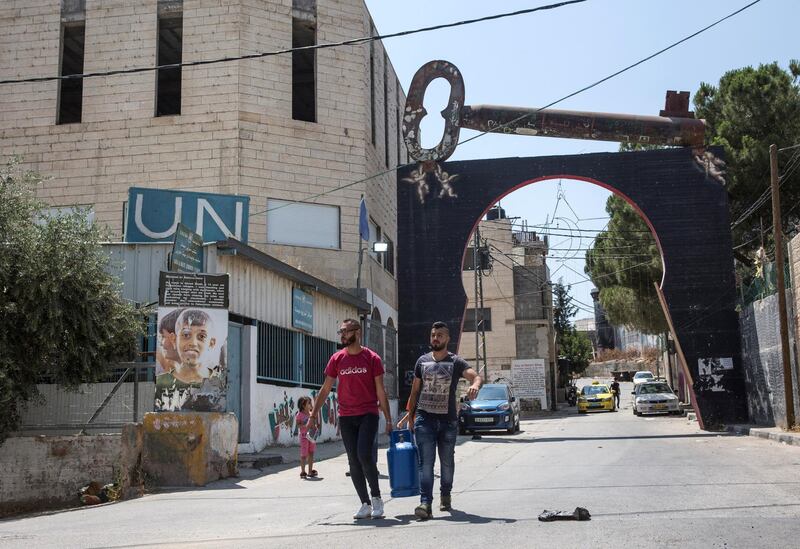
596	396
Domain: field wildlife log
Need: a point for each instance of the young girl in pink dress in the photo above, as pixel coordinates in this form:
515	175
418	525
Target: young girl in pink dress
307	444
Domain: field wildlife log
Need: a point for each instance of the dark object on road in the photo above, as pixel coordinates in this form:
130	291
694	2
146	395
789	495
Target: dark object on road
572	392
578	514
623	375
476	437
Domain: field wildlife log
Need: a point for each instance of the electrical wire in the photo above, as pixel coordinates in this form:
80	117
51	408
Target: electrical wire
613	75
552	103
352	42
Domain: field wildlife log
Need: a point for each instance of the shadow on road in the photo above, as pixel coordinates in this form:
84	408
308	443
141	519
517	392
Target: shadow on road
400	520
631	437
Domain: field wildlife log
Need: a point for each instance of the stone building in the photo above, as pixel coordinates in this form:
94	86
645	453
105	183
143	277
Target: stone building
517	310
301	134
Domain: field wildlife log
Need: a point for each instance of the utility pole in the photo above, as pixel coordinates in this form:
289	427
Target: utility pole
782	315
480	327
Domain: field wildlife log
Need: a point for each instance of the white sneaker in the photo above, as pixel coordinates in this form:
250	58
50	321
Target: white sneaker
364	512
377	508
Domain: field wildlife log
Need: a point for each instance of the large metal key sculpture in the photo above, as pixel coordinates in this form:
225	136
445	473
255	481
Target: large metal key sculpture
675	126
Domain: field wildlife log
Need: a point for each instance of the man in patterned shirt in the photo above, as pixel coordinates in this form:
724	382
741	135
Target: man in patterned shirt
432	412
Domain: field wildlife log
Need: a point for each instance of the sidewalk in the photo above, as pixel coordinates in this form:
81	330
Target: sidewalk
771	433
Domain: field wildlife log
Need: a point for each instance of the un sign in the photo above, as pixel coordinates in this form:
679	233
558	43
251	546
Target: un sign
153	215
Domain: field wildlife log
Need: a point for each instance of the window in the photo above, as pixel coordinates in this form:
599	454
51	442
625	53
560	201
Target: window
55	212
372	82
388	257
375	235
301	224
169	52
399	124
73	34
469	319
291	357
304	33
385	109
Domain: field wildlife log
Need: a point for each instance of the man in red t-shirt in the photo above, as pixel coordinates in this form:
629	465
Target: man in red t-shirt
359	372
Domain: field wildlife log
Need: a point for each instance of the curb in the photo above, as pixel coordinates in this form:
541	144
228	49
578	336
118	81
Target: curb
768	433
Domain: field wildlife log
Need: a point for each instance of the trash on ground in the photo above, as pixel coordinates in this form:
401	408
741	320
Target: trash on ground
578	514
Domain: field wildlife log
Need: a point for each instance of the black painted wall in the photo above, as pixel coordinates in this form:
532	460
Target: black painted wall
687	209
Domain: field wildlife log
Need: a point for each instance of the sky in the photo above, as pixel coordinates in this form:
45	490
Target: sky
534	59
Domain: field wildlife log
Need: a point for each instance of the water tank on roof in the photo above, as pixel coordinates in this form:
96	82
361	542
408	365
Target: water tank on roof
496	213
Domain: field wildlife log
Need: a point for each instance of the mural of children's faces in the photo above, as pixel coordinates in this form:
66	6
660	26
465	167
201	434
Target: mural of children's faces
195	336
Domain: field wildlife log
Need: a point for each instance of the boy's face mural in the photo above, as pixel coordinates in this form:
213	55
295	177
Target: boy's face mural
193	342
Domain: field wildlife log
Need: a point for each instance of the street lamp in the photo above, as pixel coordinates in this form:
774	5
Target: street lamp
378	248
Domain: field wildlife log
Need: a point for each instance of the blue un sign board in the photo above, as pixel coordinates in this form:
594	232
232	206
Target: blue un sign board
153	215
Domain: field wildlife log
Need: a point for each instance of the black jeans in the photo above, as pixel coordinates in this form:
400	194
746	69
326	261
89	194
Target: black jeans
358	435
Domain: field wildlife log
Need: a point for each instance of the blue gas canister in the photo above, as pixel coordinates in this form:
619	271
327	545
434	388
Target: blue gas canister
403	473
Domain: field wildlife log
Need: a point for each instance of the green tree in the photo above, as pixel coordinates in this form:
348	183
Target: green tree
572	345
623	263
61	315
577	348
750	109
563	309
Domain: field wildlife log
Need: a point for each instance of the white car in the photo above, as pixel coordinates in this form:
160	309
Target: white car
655	397
642	377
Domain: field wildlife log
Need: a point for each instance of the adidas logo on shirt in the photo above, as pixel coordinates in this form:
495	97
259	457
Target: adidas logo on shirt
352	370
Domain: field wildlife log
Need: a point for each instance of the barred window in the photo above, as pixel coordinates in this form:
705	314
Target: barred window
290	357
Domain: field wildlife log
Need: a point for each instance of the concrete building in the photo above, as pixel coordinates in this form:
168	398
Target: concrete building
298	134
517	311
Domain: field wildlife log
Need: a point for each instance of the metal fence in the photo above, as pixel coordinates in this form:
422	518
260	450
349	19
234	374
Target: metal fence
763	285
383	340
287	356
290	357
123	396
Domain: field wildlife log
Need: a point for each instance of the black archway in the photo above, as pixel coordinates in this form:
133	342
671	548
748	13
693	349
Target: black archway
674	190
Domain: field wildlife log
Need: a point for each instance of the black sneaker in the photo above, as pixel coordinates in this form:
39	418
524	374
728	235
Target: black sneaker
445	503
423	511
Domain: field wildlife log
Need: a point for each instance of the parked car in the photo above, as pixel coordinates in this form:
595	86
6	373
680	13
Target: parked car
655	397
642	377
495	408
596	397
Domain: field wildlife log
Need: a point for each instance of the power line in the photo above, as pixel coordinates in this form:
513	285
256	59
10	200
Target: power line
791	166
613	75
352	42
500	127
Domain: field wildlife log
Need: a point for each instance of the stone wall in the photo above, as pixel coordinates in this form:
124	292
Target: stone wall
763	362
48	471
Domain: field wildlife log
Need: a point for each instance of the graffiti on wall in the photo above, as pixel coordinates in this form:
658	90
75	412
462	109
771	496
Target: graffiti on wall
282	417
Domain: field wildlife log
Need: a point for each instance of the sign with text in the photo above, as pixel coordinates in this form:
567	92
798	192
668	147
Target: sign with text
153	215
193	290
302	310
187	251
191	359
528	377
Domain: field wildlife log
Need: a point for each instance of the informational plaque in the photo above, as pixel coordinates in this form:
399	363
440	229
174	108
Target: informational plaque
302	310
528	378
193	290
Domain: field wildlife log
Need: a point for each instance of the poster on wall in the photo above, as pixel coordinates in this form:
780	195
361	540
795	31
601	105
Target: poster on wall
711	370
192	334
528	378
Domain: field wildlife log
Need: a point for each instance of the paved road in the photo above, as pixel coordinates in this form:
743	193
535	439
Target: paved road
648	482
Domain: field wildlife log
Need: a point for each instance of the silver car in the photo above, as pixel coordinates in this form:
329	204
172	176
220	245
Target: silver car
655	397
